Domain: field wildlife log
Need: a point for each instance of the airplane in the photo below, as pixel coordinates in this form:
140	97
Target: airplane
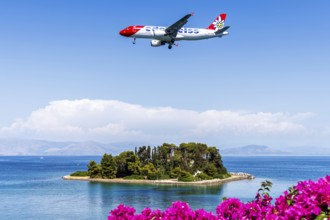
176	32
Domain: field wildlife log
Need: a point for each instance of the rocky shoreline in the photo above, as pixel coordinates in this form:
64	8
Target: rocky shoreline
234	177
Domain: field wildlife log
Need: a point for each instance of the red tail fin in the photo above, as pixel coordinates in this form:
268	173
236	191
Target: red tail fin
218	23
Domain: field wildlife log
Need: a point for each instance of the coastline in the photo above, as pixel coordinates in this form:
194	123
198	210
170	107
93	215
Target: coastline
234	177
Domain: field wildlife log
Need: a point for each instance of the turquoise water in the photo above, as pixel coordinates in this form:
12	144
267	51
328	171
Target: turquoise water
32	188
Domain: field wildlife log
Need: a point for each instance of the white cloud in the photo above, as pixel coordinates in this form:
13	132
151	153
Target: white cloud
247	123
110	120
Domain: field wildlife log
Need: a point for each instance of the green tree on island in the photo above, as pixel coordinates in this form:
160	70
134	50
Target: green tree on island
128	164
108	167
94	170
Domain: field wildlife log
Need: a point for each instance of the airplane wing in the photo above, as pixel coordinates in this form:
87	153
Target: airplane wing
174	28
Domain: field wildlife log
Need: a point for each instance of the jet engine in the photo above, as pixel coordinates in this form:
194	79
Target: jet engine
157	43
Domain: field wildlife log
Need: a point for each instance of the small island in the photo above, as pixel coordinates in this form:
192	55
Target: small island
186	164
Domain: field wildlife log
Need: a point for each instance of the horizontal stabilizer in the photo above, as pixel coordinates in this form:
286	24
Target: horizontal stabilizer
220	31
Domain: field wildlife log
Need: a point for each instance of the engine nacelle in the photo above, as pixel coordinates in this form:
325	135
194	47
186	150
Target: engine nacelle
157	43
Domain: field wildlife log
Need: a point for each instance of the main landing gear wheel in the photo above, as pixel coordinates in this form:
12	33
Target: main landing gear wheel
169	46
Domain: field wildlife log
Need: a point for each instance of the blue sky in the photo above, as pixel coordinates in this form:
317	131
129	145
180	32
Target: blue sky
275	61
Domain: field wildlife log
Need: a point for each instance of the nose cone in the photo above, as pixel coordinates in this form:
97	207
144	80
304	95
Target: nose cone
124	32
127	32
130	30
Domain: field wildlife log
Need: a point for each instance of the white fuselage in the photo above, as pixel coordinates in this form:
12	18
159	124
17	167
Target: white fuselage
158	32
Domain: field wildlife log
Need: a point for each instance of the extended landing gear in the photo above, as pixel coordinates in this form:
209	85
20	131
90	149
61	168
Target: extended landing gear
134	41
171	43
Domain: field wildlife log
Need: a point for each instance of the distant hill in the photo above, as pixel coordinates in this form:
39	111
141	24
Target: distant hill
13	147
251	150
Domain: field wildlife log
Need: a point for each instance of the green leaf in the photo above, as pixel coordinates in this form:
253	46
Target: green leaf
320	217
289	202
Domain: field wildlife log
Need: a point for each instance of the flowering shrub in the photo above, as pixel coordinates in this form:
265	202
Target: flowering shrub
122	212
306	200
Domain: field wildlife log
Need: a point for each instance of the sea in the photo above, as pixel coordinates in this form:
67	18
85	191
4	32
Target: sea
33	188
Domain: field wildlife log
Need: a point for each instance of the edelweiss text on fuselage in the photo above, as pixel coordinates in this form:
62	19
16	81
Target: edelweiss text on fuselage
182	30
